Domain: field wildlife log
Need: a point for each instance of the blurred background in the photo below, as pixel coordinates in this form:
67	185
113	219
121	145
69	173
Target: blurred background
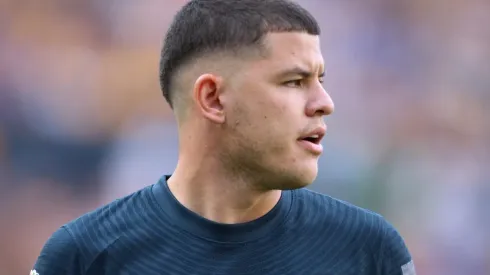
83	122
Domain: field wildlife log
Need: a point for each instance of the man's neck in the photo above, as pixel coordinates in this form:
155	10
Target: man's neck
208	191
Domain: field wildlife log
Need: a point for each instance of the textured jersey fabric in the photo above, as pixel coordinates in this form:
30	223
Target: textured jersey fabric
150	232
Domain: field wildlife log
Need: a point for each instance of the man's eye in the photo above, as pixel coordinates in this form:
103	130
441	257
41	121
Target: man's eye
294	83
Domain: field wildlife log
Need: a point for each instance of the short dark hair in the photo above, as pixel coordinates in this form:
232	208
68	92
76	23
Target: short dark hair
207	26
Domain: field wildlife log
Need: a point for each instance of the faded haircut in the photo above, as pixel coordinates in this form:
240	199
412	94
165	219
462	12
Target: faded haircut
204	27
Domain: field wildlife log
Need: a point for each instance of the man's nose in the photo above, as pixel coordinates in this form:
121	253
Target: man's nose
321	104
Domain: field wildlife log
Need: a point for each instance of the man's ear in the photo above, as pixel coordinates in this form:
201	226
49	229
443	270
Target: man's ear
207	89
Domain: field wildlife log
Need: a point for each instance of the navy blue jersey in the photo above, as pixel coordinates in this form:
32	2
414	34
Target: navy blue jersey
150	232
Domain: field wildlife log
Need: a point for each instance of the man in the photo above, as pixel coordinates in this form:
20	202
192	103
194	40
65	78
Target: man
244	78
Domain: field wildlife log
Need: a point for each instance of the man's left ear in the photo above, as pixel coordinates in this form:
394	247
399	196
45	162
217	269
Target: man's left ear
207	91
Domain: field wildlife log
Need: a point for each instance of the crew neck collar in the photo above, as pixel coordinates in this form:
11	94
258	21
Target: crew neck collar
219	232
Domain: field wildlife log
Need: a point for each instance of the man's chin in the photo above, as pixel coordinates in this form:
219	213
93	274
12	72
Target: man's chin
304	180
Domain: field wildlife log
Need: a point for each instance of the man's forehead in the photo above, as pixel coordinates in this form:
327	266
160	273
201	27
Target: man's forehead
294	38
294	49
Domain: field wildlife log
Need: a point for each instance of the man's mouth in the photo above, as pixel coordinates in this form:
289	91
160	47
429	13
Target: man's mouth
312	140
316	139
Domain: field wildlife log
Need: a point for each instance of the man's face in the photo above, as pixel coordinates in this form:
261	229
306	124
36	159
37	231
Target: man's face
275	113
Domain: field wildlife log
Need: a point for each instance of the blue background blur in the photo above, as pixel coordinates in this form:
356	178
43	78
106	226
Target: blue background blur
82	119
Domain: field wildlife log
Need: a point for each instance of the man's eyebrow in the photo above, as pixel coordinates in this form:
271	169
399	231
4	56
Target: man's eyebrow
299	71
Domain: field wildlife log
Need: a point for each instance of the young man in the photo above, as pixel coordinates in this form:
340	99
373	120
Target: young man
244	78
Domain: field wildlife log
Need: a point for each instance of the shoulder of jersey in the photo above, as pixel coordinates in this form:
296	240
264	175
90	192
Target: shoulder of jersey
339	207
327	200
109	211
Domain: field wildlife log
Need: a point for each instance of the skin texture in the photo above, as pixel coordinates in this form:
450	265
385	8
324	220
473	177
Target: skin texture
239	139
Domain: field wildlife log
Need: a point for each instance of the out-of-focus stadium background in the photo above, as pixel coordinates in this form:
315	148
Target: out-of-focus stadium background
82	119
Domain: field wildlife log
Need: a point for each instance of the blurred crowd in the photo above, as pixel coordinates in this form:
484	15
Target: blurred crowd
82	119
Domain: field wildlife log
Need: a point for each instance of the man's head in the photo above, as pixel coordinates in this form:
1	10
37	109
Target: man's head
250	72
